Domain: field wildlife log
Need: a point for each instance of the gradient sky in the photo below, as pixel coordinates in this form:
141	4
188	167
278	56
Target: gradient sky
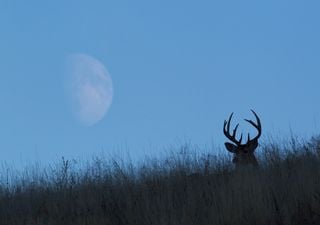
179	68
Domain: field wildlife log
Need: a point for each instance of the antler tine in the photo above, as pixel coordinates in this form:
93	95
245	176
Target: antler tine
229	122
257	118
226	126
235	131
226	131
257	126
240	139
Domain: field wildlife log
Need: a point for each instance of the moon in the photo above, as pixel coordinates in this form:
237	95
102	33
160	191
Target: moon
89	88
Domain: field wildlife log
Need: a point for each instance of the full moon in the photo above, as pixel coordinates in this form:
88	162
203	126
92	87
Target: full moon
89	88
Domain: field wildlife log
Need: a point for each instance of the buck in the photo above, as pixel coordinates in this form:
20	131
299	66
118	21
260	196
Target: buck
243	154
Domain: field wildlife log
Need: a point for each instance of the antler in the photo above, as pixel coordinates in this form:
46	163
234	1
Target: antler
256	125
226	131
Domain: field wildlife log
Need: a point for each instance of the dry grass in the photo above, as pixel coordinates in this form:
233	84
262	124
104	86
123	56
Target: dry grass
181	189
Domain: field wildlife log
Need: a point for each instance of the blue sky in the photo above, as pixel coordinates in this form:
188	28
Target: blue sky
179	68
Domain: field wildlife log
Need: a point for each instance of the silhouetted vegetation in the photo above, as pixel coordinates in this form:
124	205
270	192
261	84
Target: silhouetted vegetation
184	188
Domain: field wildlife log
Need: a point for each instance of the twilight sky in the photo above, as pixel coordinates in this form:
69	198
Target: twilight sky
178	69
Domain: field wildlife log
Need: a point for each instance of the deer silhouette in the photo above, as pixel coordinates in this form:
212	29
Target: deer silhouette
243	153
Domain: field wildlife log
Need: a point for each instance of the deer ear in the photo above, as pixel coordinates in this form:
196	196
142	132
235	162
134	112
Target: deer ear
231	147
253	146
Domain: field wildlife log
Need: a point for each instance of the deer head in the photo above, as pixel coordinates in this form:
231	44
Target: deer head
243	153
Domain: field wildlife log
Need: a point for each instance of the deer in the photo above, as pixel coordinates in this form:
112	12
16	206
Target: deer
243	154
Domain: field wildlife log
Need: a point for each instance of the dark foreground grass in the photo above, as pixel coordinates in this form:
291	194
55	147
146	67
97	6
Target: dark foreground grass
182	189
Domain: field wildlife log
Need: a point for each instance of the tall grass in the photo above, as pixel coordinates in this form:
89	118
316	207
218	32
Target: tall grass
183	188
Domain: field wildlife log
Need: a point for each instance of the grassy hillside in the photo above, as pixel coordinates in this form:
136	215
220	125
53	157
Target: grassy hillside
182	189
